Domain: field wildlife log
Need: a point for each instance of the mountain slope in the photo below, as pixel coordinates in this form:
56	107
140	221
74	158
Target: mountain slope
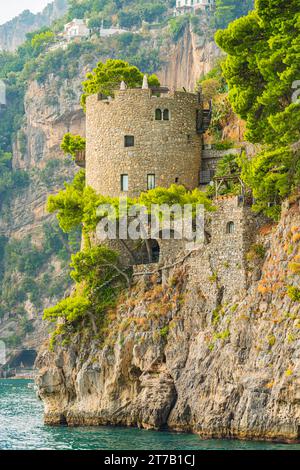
13	33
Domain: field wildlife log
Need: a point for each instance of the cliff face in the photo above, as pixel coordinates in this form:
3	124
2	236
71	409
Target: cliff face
186	61
13	33
186	352
51	111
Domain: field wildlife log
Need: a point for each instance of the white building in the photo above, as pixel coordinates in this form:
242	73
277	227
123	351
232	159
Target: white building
191	6
76	29
105	32
2	94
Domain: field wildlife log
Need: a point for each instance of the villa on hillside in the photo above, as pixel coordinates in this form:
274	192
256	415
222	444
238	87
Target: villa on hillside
192	6
77	28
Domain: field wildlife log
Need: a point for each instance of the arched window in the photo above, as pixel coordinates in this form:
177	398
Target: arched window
158	114
150	181
230	228
166	115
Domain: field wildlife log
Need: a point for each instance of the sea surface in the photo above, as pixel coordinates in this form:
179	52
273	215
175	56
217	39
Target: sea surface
22	428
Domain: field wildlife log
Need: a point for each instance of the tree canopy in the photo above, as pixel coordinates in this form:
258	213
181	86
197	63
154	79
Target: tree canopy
229	10
262	70
261	67
72	144
106	78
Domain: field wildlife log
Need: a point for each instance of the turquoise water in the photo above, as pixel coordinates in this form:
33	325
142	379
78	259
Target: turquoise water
21	427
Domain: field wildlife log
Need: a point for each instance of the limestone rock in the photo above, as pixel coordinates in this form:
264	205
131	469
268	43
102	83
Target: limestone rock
235	375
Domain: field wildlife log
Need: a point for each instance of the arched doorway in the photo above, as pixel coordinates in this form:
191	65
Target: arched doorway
155	250
147	252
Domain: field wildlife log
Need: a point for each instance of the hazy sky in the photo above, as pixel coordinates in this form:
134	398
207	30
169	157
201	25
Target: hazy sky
11	8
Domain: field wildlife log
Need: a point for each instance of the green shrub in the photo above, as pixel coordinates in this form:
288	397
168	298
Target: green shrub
224	145
177	26
70	309
72	144
293	293
164	331
256	252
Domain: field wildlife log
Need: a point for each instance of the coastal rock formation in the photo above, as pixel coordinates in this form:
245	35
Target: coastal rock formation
193	348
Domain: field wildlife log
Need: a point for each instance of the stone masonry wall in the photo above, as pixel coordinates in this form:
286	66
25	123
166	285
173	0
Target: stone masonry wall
169	149
220	266
228	251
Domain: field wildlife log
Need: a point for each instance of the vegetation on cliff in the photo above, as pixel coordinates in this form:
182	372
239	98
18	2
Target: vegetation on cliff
37	59
126	13
149	27
72	144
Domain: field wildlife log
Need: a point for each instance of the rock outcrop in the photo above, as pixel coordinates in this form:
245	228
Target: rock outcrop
186	61
187	353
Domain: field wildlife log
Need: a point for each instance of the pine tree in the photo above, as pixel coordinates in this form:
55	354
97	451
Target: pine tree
229	10
262	70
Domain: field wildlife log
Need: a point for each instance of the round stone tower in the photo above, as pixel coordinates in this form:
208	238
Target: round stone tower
142	139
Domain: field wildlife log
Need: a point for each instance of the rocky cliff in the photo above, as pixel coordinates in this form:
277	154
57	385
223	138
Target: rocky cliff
185	352
50	112
187	60
13	33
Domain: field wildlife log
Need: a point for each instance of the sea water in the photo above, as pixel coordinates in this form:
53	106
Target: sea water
22	428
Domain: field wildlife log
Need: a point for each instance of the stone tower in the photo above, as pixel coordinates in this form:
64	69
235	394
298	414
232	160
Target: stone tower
143	138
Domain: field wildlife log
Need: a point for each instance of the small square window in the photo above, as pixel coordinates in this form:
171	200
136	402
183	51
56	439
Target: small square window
124	183
150	181
129	141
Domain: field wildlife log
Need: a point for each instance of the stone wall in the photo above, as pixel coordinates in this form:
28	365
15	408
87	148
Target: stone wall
220	265
210	160
171	149
229	246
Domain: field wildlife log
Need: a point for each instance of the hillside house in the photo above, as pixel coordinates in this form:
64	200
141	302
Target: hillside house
77	28
193	6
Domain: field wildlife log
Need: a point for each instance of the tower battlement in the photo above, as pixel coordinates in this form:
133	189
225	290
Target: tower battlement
159	93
